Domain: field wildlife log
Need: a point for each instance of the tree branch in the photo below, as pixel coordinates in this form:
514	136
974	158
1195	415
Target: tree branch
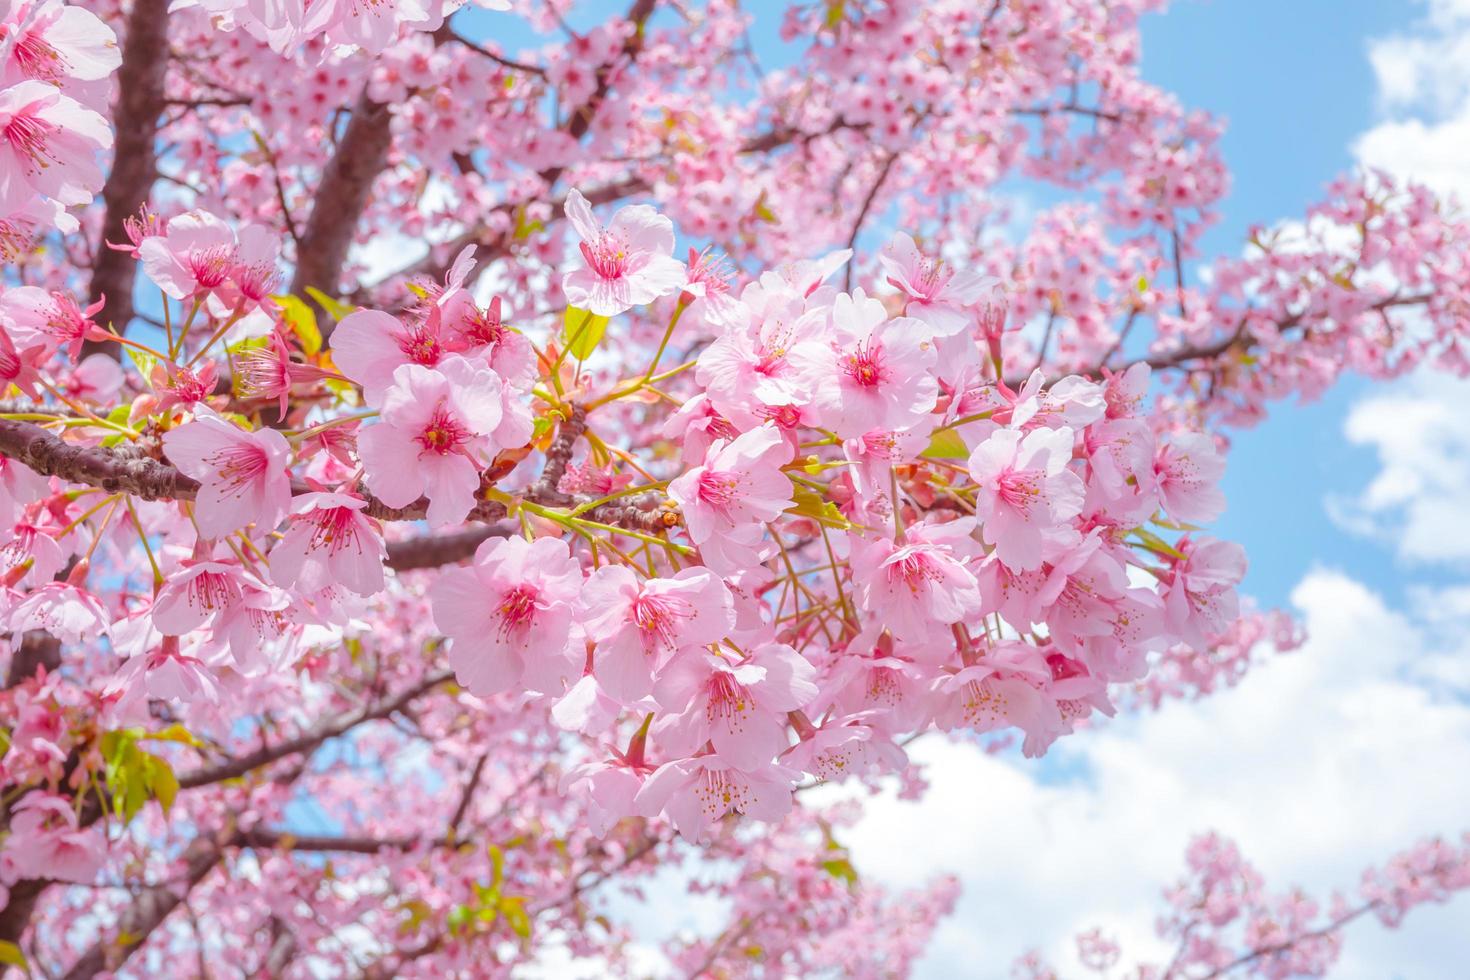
342	196
140	102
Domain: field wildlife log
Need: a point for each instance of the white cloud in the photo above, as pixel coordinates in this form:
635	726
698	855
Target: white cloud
1318	765
1419	503
1424	90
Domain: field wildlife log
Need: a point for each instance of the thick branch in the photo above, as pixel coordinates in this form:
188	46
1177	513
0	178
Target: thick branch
140	102
341	197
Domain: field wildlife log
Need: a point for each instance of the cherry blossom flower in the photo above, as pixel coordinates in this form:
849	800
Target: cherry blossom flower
1199	599
1023	489
639	625
919	586
329	542
61	44
48	146
369	347
739	707
45	841
739	486
629	263
199	592
62	609
433	436
509	613
1188	469
876	374
937	293
194	255
695	793
242	475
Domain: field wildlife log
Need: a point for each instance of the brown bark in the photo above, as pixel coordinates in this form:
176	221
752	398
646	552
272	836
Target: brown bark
140	101
341	197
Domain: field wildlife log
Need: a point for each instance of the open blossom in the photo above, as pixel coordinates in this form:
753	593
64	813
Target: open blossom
696	793
329	542
739	707
19	365
509	613
1200	600
739	486
1023	489
433	436
242	475
921	585
834	753
67	612
48	146
984	699
937	293
875	373
369	346
1188	469
45	841
196	594
638	625
194	255
629	263
50	41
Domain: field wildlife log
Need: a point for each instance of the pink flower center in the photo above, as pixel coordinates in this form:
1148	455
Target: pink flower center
27	135
485	328
719	490
1019	488
188	387
210	266
982	704
421	346
865	366
212	591
15	238
729	701
36	58
517	608
883	687
913	566
718	794
240	466
444	434
931	277
657	617
10	365
263	372
336	530
254	280
607	256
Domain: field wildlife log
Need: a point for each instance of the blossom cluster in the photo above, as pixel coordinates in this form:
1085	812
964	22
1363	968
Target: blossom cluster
54	62
867	530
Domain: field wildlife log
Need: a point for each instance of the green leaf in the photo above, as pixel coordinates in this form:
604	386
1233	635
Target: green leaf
1156	543
335	308
1142	284
810	504
835	11
302	321
763	211
513	909
11	955
841	869
947	444
162	782
144	363
583	330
